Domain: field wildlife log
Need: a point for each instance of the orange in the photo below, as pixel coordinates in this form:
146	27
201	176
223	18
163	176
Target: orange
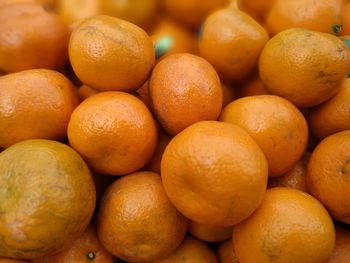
295	64
209	233
327	174
47	198
232	41
190	251
71	11
184	89
214	173
85	91
108	53
341	252
346	20
114	132
252	86
225	252
86	248
136	221
295	178
143	94
257	9
320	15
171	38
31	38
192	12
289	226
275	124
138	12
333	115
35	103
163	140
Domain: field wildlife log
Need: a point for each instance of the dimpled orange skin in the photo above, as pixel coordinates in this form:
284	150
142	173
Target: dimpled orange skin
108	53
184	89
333	115
86	248
136	221
327	174
318	15
232	41
295	178
34	104
192	12
139	12
341	252
209	233
182	40
31	38
304	66
212	184
47	198
191	251
225	252
275	124
289	226
114	132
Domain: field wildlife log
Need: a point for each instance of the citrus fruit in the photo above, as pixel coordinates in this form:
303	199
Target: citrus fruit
304	66
214	173
257	9
184	89
114	132
346	20
289	226
341	252
47	198
136	221
71	11
209	233
225	252
275	124
108	53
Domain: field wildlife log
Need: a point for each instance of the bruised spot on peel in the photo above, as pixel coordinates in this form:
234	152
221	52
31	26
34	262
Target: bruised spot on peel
163	45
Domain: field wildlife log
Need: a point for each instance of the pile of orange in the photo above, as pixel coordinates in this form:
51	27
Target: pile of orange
169	131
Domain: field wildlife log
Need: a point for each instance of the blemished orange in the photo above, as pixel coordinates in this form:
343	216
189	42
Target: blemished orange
289	226
191	250
86	248
163	140
333	115
35	104
295	178
275	124
346	20
38	39
209	233
257	9
225	252
114	132
211	184
341	252
295	64
327	174
171	38
47	198
252	86
139	12
108	53
184	89
85	92
192	12
320	15
136	222
232	41
72	11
